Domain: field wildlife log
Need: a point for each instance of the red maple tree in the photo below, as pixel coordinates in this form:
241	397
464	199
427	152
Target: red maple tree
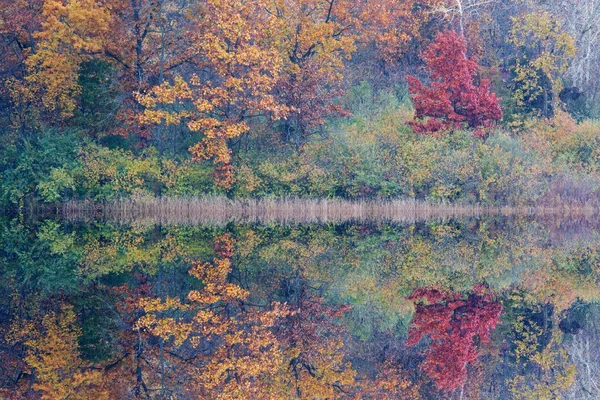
454	98
455	325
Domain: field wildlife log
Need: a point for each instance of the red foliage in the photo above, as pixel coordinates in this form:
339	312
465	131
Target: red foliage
453	98
454	325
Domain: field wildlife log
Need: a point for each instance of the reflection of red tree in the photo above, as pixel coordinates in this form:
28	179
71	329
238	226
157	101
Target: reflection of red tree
454	325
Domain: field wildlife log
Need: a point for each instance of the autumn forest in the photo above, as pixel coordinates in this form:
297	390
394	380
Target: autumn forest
299	199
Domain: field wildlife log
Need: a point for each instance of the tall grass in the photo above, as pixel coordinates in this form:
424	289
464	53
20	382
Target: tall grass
220	210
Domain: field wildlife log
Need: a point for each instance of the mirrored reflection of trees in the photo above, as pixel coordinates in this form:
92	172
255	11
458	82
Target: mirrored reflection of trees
583	348
341	311
454	323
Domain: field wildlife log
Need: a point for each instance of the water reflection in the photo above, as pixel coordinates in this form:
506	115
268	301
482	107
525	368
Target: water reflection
455	323
473	309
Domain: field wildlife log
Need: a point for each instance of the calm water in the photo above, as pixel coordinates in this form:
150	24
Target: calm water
464	309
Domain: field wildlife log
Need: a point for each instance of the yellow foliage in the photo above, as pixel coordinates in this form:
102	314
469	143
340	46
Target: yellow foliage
555	373
234	40
72	30
547	51
54	357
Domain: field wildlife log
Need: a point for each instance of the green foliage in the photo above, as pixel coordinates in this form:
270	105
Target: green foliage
375	154
59	182
372	154
39	257
54	167
37	166
111	173
98	97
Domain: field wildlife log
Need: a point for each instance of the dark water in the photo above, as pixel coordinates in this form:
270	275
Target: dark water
490	308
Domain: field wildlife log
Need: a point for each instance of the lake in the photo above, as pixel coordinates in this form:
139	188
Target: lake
464	307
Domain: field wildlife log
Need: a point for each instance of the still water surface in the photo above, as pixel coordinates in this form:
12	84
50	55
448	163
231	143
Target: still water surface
487	308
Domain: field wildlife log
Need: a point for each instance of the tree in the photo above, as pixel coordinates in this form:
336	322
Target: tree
148	41
53	355
454	325
461	9
71	31
583	23
454	98
19	20
545	49
317	37
238	66
134	43
313	41
397	28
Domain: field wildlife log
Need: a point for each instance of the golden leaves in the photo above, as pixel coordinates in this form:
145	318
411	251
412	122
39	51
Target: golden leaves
262	59
235	44
71	30
547	49
52	354
158	324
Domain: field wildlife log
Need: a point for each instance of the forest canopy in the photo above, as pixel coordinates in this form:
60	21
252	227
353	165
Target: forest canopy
322	98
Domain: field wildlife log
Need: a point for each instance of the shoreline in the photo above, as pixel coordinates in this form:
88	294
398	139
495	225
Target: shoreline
220	210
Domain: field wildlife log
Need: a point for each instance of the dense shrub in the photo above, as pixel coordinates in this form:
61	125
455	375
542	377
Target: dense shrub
377	155
372	154
37	166
57	166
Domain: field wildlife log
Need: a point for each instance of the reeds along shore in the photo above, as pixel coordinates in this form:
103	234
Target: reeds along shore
219	210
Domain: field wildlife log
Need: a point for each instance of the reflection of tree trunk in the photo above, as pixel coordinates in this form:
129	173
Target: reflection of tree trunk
584	352
162	298
138	367
298	288
162	365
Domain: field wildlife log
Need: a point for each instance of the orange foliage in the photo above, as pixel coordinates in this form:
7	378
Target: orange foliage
233	40
55	361
70	32
245	359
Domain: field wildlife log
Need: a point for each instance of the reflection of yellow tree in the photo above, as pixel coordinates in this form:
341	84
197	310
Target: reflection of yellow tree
245	358
255	352
552	374
53	356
